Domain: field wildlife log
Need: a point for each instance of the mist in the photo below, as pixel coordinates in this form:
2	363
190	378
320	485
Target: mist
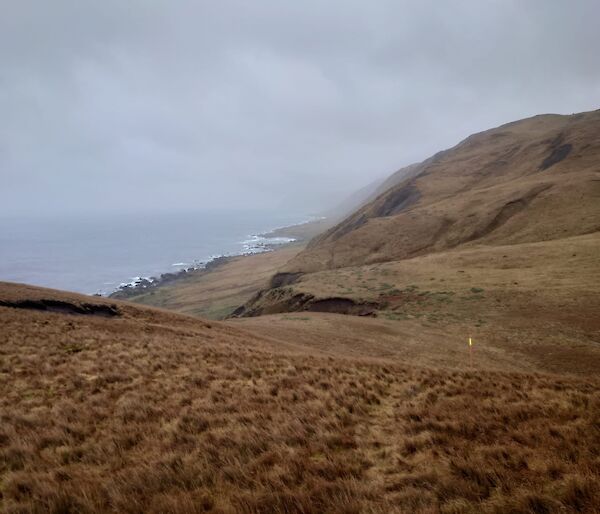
115	106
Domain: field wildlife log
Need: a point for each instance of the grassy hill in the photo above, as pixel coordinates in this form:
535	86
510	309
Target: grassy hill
529	306
498	237
532	180
111	407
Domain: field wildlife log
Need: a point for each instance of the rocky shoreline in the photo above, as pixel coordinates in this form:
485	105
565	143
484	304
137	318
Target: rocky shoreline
144	284
281	237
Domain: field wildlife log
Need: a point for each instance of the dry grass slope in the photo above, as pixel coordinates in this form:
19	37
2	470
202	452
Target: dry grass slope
531	180
147	411
532	306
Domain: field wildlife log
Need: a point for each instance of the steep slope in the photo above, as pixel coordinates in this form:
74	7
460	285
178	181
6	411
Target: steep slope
532	180
110	407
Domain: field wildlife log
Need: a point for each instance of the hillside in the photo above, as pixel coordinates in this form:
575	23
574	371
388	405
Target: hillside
498	236
107	406
533	180
529	306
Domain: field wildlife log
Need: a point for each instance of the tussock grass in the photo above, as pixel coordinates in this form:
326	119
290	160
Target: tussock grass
159	413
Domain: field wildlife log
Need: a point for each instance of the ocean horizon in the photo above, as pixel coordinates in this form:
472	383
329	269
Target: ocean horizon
97	254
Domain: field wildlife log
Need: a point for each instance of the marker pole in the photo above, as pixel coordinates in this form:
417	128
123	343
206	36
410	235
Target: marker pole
470	352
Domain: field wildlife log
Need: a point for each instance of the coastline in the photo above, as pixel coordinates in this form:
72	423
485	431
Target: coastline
275	239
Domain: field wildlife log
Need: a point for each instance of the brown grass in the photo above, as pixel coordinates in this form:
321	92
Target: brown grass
532	306
154	412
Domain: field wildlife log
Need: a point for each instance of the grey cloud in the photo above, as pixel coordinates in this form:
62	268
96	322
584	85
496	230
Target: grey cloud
178	105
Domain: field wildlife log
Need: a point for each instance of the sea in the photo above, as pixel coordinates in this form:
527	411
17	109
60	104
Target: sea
97	254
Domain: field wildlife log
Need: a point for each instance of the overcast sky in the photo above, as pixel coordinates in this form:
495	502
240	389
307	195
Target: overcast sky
141	104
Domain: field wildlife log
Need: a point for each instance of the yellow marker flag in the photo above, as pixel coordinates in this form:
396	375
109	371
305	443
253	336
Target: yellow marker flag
470	352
